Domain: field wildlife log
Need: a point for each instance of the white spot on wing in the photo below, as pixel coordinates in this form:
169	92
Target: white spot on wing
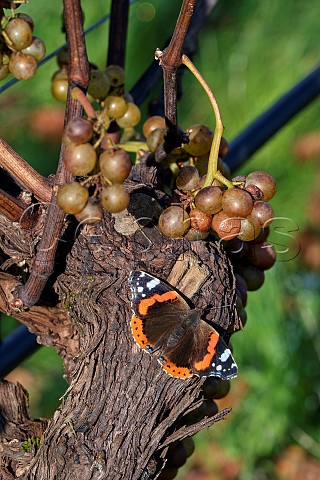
152	284
226	354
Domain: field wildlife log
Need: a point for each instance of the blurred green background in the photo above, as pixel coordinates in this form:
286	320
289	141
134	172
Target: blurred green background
250	53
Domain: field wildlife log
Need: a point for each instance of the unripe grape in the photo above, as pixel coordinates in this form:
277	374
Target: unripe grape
225	226
249	229
131	118
91	214
115	106
116	75
209	200
115	164
200	139
188	179
265	182
19	32
155	139
237	202
22	65
99	84
36	48
59	86
174	222
72	197
4	71
79	159
26	18
152	123
78	130
115	198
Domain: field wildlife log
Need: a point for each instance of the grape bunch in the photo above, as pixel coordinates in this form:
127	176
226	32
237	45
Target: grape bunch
106	88
90	148
20	50
235	212
109	167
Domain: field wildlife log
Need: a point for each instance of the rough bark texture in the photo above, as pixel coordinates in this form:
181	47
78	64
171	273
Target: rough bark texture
121	410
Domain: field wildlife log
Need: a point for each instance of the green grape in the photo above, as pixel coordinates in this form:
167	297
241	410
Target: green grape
37	49
174	222
91	214
188	179
79	159
59	86
155	139
99	84
152	123
115	164
116	75
131	118
200	139
249	229
115	198
115	106
22	65
72	197
19	32
4	71
26	18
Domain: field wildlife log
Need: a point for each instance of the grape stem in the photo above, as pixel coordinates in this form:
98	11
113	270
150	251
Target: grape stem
213	172
78	94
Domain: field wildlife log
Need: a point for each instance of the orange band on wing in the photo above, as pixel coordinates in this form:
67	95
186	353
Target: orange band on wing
145	304
137	332
172	369
206	361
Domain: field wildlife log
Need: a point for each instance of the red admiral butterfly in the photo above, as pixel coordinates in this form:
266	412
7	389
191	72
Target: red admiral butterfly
163	321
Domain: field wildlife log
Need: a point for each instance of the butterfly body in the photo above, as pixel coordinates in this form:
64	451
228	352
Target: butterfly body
163	322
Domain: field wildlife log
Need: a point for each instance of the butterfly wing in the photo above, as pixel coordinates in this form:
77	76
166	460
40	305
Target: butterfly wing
163	320
155	310
201	351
